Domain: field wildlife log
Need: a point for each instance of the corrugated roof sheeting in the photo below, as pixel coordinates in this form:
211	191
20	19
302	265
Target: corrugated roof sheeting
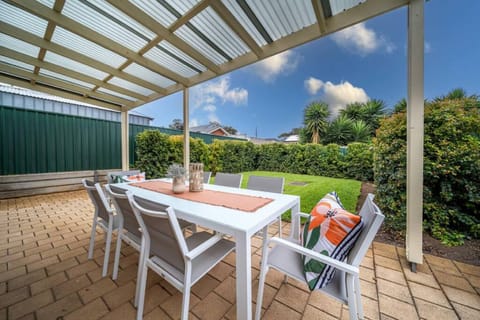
114	93
179	53
215	29
55	75
157	12
169	62
21	19
74	65
200	45
150	76
182	6
281	18
240	15
90	49
18	45
48	3
97	21
130	86
16	63
338	6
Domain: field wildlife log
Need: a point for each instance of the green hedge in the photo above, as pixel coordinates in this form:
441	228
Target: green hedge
451	170
156	151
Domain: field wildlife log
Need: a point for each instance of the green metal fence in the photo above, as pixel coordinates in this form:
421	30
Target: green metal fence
37	142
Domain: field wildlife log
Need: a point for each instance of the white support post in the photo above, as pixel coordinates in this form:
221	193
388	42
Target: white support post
125	144
186	131
415	106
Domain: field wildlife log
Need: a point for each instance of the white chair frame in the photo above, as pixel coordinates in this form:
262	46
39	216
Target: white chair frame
349	279
108	225
165	269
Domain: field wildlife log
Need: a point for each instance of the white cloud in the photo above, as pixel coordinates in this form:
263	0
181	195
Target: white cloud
313	85
428	47
337	96
193	122
209	108
362	40
280	64
207	97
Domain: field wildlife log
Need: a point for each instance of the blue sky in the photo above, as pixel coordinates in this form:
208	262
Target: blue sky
366	61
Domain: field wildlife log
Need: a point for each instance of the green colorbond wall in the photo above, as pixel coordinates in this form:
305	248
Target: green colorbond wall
37	142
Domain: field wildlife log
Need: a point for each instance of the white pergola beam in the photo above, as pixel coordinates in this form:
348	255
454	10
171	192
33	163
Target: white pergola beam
415	124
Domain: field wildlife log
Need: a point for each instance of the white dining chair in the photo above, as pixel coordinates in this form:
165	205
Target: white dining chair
268	184
233	180
104	217
287	255
180	261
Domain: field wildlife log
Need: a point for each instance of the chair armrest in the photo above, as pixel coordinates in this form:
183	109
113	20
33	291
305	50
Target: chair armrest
192	254
303	214
317	256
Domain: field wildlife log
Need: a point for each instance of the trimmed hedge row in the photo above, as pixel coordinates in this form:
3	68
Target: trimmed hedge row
451	186
156	151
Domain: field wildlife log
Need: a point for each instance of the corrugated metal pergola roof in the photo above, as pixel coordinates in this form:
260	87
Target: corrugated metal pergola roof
122	54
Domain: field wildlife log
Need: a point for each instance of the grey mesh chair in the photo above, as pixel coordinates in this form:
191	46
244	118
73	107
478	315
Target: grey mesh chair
206	176
112	175
180	261
103	217
268	184
129	229
286	256
228	179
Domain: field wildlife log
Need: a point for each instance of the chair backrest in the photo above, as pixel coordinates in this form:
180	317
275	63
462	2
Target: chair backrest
123	207
228	179
111	175
98	198
372	218
206	176
269	184
161	230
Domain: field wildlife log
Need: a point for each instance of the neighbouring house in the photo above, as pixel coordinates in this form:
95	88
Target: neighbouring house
294	138
211	128
262	140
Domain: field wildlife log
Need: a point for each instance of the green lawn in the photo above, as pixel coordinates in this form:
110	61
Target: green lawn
316	187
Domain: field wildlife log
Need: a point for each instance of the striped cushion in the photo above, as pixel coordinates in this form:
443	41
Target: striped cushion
332	231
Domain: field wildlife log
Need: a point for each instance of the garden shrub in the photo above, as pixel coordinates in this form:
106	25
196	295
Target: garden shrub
271	156
154	151
451	169
358	161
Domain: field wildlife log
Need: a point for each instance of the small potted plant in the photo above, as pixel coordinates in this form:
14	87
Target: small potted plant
177	173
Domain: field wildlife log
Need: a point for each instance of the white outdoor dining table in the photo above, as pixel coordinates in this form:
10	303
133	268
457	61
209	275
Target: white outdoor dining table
240	224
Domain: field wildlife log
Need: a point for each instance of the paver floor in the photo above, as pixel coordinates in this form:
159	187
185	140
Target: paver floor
45	274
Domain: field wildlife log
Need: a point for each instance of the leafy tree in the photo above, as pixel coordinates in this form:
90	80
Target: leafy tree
289	133
176	124
230	129
315	120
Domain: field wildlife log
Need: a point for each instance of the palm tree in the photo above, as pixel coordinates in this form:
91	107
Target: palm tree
361	131
339	131
400	106
373	110
315	120
353	111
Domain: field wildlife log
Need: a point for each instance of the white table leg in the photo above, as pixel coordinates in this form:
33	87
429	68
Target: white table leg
244	276
295	221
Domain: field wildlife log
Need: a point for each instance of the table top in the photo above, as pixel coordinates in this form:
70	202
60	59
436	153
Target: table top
218	217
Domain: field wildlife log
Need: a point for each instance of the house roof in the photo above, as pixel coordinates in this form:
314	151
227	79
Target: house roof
292	138
208	128
123	54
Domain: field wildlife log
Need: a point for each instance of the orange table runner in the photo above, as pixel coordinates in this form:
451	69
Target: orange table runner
216	198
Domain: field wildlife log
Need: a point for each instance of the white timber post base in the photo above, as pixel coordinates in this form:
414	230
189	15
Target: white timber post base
415	125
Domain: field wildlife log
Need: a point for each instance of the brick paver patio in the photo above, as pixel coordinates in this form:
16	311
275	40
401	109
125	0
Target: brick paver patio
45	274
